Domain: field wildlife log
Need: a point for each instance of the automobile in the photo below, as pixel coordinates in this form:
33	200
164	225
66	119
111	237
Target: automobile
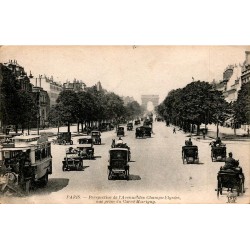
72	160
118	163
137	122
122	145
190	154
139	132
96	137
147	131
147	122
230	179
85	146
5	138
63	138
130	126
120	131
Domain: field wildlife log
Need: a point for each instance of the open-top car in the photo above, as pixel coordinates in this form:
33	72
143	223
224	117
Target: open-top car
190	154
85	146
72	160
96	137
63	138
120	131
118	163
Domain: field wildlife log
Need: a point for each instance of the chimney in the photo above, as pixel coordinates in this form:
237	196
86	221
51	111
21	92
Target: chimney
248	57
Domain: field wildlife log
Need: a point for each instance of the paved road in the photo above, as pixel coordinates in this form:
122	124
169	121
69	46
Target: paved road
157	173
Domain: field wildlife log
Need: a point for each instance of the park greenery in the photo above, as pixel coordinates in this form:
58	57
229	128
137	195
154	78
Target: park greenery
199	103
91	108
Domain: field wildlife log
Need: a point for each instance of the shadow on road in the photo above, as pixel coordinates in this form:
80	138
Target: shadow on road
85	167
133	177
98	156
54	185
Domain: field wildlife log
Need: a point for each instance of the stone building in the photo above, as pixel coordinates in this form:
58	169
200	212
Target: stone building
43	101
76	85
231	83
245	72
48	84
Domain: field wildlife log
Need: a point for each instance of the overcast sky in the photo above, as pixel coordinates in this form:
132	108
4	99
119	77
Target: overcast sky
128	70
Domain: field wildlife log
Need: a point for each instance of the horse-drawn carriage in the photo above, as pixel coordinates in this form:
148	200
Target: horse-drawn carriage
96	137
63	138
72	160
118	163
218	152
230	179
190	154
85	147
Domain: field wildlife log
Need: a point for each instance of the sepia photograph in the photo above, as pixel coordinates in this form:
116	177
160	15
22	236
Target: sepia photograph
124	124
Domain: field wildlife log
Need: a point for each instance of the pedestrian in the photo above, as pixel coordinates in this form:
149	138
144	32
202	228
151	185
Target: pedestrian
174	131
204	134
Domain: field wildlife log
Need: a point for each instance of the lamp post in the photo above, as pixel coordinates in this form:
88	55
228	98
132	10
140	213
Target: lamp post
38	110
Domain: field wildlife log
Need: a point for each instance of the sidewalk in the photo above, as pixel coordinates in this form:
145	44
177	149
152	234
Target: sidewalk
228	133
224	134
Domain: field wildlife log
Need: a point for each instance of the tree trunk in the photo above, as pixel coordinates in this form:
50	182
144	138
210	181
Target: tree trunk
68	126
58	126
217	130
77	127
198	129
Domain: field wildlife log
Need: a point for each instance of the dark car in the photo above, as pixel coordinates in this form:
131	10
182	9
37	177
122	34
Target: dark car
130	126
63	138
118	163
96	137
120	131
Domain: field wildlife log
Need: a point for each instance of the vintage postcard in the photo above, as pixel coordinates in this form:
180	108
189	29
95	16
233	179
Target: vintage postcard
124	124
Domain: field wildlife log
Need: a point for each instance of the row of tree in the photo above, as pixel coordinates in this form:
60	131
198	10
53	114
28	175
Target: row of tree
17	106
90	108
199	103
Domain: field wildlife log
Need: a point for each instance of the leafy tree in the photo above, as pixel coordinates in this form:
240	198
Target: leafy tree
133	110
196	103
68	107
241	107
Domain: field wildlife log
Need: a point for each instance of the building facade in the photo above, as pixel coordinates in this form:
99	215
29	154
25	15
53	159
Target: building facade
48	84
43	102
231	83
76	86
245	73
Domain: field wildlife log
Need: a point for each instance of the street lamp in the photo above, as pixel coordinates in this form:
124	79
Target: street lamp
38	110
